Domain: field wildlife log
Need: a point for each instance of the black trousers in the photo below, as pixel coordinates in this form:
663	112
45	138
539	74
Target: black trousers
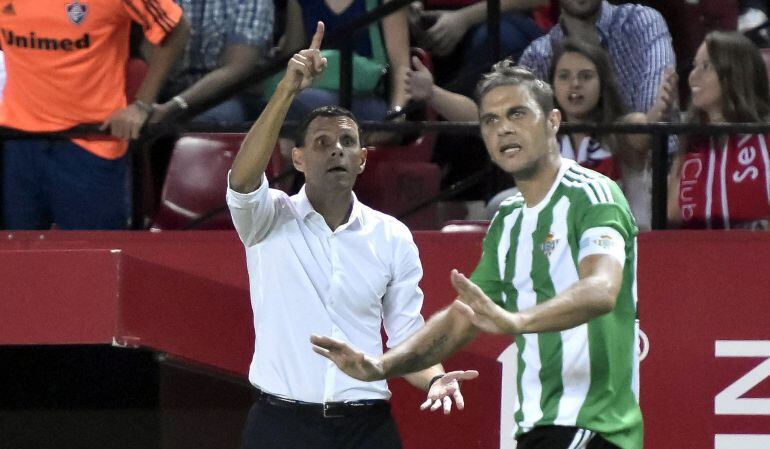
279	427
562	437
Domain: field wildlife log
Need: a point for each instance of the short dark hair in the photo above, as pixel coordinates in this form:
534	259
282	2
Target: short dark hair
507	73
323	111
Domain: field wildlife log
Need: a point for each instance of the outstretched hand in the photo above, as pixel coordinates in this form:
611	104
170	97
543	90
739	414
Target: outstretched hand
447	388
354	363
307	65
479	309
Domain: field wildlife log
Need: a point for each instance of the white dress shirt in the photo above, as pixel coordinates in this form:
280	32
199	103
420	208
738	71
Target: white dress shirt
305	279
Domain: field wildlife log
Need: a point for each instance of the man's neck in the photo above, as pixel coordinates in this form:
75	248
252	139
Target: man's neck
334	206
583	29
536	188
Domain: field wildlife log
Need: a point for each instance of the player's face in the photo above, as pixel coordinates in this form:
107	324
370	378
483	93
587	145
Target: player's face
704	84
516	131
332	156
581	9
576	86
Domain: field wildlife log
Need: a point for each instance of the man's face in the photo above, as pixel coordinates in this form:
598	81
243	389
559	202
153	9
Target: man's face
332	156
581	9
516	131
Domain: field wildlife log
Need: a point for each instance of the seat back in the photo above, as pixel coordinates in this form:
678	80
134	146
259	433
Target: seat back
395	188
194	189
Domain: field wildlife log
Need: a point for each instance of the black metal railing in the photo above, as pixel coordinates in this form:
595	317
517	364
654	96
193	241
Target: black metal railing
659	133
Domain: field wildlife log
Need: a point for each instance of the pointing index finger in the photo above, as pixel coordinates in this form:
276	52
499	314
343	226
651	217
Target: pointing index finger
315	43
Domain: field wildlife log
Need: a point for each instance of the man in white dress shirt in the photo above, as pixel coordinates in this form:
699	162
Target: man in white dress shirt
320	262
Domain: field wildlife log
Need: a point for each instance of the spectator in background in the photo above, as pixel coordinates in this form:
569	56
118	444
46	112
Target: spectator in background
722	182
456	31
375	51
65	68
586	92
229	41
636	38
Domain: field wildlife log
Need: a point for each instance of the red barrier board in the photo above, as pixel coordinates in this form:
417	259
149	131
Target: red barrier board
703	303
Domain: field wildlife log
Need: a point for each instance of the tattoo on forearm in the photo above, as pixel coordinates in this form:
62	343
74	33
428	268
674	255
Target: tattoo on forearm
415	361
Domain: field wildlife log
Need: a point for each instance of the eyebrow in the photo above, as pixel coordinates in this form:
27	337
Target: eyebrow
520	108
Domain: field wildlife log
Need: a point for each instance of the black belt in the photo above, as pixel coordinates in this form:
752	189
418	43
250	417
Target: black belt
327	409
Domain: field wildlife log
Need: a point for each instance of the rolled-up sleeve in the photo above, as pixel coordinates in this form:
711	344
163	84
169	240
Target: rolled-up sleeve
403	298
253	213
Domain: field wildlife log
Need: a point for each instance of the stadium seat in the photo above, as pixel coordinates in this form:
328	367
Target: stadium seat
193	194
397	187
397	178
466	226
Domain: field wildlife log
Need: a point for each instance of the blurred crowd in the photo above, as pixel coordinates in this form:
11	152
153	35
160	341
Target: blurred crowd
129	65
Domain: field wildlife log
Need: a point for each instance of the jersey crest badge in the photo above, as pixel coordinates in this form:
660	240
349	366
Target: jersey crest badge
549	244
8	9
76	12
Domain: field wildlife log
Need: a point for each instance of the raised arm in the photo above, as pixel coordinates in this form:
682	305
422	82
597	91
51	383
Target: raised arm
252	159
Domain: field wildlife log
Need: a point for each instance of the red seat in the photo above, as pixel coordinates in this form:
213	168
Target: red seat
466	226
193	192
397	187
398	178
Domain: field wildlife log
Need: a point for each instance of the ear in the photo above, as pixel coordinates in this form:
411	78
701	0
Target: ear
554	121
364	152
298	159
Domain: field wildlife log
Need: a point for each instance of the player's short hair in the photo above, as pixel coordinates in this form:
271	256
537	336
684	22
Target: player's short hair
323	111
507	73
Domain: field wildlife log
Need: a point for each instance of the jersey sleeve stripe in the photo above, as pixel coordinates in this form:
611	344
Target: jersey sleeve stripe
158	16
599	192
602	181
163	18
145	24
581	185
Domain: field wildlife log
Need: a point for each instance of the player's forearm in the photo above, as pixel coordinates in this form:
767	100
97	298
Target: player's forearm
443	334
259	143
588	298
161	59
452	106
421	379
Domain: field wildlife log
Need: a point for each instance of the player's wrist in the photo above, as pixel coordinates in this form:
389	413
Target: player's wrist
433	380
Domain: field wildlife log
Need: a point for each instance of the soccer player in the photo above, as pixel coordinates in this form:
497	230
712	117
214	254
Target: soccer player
557	272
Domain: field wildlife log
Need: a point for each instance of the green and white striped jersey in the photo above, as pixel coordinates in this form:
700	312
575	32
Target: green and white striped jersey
586	376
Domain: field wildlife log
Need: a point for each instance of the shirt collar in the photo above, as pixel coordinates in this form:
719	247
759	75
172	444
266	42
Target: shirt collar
305	208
